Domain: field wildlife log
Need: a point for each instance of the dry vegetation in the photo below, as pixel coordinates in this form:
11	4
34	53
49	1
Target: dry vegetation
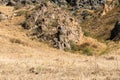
24	59
101	26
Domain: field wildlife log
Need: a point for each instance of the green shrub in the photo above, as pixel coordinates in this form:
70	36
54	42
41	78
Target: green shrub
25	24
54	23
17	6
86	33
74	47
88	51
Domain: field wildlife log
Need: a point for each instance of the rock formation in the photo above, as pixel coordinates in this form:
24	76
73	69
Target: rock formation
110	4
88	4
50	23
115	33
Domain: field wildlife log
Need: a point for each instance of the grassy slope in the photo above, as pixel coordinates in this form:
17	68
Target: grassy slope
100	27
24	59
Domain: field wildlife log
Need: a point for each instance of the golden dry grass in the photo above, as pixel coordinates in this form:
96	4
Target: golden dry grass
25	59
101	26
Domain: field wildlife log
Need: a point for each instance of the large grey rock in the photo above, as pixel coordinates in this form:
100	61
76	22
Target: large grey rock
62	38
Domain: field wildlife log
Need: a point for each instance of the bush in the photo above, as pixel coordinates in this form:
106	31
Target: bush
54	23
17	6
74	47
86	33
88	51
25	25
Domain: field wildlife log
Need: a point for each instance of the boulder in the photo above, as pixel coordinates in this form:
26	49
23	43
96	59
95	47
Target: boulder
115	33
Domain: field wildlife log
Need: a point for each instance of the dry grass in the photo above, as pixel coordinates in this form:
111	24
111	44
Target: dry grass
92	46
37	61
101	27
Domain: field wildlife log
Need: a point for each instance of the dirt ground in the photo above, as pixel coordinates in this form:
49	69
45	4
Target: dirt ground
24	59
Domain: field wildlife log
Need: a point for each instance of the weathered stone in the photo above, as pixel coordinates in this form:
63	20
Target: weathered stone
54	25
62	38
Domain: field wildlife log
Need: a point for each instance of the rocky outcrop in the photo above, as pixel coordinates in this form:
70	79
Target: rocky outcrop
115	33
50	23
16	2
88	4
110	4
76	4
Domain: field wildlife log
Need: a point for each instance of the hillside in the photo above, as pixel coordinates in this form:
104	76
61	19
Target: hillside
25	55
